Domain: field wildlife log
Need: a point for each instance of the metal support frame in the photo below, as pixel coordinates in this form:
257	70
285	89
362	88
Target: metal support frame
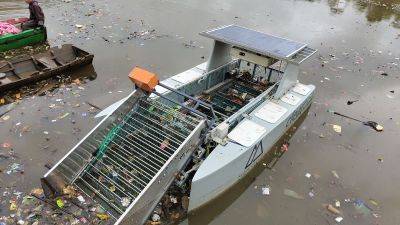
194	109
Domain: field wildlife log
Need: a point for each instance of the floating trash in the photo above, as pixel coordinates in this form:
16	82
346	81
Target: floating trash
292	194
266	190
361	207
339	219
15	168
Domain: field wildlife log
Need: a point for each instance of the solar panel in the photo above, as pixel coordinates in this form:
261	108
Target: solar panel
255	41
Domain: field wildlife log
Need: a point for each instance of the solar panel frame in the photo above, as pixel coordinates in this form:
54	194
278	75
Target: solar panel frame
261	43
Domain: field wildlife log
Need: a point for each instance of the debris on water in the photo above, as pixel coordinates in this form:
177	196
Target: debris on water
13	205
103	216
191	44
335	174
93	105
81	199
361	207
6	109
333	209
185	202
292	194
376	215
60	203
373	202
164	144
349	102
4	156
37	192
5	118
47	87
6	145
173	199
374	125
27	200
339	219
125	201
48	166
14	168
266	190
337	128
285	147
155	217
63	116
390	96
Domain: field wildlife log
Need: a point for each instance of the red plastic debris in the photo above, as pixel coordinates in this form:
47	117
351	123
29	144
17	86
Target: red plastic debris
6	145
284	147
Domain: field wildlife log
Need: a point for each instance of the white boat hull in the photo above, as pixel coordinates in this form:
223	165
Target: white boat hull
227	164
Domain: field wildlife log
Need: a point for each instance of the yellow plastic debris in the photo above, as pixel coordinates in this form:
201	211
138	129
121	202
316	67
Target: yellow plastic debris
103	216
60	203
13	205
63	116
333	210
373	202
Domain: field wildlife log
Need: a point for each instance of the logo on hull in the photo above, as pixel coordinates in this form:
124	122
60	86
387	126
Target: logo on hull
255	154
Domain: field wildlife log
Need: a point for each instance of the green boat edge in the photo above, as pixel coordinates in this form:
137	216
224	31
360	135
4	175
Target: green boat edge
25	38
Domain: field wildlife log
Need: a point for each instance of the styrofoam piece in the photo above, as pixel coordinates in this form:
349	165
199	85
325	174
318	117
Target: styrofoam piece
271	112
291	99
247	133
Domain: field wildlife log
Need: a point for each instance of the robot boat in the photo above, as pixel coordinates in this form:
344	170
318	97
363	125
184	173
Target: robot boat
206	127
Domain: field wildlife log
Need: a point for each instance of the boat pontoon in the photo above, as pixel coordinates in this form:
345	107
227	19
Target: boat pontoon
215	121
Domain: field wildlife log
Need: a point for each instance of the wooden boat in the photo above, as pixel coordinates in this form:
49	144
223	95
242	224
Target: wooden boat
24	70
25	38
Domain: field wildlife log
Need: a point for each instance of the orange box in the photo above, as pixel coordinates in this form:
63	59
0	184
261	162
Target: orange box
144	79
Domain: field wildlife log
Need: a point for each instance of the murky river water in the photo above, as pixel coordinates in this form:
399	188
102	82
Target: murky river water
357	42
